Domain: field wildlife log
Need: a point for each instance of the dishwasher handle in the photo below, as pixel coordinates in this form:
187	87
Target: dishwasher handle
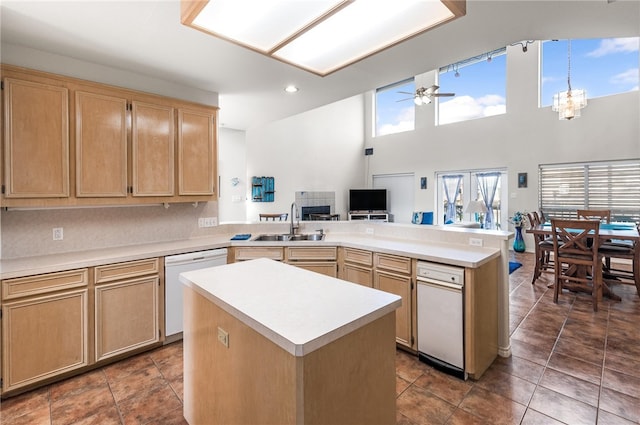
431	282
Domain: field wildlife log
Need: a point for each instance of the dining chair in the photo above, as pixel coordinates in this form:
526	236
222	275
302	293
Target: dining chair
273	217
543	249
577	259
603	216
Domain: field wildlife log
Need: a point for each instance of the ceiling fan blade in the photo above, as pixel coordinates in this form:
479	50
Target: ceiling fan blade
405	92
404	100
443	94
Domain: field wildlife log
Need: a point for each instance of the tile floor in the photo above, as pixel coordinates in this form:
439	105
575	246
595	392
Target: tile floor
569	365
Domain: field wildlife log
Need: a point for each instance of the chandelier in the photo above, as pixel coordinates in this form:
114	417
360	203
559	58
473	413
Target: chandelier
569	103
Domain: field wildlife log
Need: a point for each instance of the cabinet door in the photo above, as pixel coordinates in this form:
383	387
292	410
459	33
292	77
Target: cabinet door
36	138
101	145
126	316
152	149
357	274
399	285
328	268
43	337
197	155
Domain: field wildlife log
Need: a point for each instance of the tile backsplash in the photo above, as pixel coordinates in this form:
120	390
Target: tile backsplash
27	233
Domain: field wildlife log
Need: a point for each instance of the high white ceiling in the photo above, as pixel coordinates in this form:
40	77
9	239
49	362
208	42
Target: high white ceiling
146	37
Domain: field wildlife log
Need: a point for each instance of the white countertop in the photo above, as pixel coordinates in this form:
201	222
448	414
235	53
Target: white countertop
298	310
454	254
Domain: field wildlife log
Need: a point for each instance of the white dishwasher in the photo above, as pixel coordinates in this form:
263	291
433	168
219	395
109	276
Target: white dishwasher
173	266
440	306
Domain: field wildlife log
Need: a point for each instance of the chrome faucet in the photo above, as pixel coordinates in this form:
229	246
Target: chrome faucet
294	210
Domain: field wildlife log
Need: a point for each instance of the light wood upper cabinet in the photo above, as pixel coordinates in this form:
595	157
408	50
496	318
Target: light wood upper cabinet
101	145
197	156
36	140
152	149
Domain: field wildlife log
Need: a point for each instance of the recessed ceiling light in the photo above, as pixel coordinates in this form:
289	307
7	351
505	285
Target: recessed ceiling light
320	36
291	89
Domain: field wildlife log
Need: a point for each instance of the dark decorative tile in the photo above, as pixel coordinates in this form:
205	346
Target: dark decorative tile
562	408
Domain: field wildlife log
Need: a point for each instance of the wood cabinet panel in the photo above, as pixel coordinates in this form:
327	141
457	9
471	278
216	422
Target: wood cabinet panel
358	256
317	253
253	252
328	268
36	140
197	156
392	263
126	316
357	274
43	337
152	149
101	145
126	270
398	285
41	284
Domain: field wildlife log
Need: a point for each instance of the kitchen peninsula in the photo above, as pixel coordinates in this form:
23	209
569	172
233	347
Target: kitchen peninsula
270	343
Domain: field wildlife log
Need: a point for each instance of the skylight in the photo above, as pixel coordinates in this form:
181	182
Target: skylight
320	36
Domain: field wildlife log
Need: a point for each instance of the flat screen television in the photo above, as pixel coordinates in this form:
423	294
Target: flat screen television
367	199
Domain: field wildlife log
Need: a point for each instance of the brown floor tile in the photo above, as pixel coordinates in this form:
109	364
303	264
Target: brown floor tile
519	367
143	381
535	337
573	348
403	420
568	385
177	385
562	408
446	387
629	385
576	367
533	353
620	404
623	364
460	417
533	417
606	418
623	347
80	406
78	384
491	407
108	416
408	366
422	407
401	385
21	404
149	406
173	417
508	386
126	367
37	416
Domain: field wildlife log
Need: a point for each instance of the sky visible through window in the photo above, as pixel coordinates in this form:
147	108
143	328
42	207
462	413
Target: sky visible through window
600	66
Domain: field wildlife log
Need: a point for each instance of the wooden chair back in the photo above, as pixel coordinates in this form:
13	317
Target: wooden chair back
603	216
578	263
273	217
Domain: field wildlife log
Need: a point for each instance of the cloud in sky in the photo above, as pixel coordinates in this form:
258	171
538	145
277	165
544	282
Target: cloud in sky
629	76
615	45
464	108
404	121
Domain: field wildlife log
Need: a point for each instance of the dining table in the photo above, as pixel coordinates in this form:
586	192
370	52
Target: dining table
608	232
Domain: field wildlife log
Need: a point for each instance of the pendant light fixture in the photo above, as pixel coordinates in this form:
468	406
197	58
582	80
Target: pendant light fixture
569	103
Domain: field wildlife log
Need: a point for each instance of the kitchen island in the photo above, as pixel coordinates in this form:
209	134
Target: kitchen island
269	343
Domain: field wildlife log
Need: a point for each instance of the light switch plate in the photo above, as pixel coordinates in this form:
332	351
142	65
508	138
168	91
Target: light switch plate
223	337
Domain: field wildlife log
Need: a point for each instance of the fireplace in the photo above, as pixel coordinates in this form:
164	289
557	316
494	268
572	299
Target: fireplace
307	211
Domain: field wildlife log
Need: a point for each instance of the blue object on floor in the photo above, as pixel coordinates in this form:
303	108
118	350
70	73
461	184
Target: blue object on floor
241	237
513	266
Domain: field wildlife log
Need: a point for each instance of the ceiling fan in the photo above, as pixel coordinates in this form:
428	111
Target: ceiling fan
424	95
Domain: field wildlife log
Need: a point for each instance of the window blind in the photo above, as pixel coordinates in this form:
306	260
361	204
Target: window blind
612	185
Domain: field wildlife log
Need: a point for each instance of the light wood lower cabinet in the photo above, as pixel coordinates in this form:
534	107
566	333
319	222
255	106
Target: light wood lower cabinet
126	308
242	253
319	259
44	327
357	266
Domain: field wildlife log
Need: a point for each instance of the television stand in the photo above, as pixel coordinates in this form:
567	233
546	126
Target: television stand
369	215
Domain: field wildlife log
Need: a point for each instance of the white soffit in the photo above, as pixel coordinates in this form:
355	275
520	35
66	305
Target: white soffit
320	36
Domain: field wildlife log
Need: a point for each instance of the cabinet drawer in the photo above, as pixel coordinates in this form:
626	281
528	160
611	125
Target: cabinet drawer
392	263
44	283
358	256
313	253
129	269
250	253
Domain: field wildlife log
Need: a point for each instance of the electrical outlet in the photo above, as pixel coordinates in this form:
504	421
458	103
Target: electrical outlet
201	222
475	241
58	235
369	230
223	337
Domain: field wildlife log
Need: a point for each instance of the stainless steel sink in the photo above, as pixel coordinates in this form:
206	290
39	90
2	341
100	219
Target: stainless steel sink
287	237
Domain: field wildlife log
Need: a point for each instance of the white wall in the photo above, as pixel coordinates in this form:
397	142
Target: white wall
320	150
232	163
